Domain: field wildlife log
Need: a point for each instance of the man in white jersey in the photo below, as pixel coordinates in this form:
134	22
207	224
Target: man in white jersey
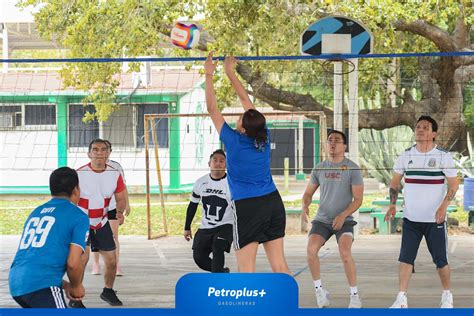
215	234
113	220
99	182
426	167
342	190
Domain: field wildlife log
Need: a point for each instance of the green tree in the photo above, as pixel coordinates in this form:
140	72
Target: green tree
115	28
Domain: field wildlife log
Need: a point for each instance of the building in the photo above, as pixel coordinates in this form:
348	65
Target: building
42	128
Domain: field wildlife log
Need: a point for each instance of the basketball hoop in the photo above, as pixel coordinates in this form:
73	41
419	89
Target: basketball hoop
347	66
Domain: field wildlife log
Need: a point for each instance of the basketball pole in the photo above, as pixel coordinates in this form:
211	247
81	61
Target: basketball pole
338	95
349	37
354	112
300	145
354	123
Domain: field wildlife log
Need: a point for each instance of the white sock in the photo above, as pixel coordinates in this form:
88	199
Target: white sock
353	290
402	293
446	292
318	284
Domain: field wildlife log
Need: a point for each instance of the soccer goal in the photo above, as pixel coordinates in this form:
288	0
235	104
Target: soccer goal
296	148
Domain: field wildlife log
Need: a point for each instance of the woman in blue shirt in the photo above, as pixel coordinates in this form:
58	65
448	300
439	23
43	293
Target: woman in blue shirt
259	211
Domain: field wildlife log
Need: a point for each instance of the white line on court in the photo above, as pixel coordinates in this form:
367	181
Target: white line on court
453	247
161	255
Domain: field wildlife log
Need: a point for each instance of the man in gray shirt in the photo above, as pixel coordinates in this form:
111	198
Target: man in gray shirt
342	190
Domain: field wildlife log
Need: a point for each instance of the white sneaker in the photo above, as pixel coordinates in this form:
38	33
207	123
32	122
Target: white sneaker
355	301
446	300
400	302
322	298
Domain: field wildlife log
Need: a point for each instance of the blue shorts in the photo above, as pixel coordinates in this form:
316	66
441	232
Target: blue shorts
50	297
436	237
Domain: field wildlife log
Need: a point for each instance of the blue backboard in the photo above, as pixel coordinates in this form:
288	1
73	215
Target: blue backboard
336	34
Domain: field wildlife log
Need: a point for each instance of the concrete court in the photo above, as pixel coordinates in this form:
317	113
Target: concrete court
152	269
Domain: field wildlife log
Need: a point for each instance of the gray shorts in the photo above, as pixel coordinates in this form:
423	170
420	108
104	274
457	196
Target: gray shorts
326	230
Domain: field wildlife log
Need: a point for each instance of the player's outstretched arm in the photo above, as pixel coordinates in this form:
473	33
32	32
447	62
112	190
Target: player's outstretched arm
211	100
229	66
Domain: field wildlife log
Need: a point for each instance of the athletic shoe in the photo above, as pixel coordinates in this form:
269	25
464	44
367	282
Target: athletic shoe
400	302
110	296
322	298
226	270
446	300
355	301
95	269
76	304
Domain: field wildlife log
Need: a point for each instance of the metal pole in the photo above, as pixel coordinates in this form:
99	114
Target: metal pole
300	144
158	174
147	172
354	113
338	96
354	123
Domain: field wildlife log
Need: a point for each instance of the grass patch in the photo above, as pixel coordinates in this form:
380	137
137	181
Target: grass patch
13	214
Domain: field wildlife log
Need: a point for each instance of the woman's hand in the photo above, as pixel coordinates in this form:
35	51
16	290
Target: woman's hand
209	65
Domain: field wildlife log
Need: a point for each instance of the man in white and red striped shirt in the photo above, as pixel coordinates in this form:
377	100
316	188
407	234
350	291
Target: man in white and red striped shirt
99	182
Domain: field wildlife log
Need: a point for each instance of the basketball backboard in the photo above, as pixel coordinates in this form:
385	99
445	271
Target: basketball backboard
336	35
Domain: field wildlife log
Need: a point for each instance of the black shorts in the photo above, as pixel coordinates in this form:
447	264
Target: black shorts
50	297
205	238
326	230
112	214
101	239
259	219
436	236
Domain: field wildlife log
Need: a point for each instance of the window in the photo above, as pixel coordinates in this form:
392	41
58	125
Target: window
119	128
124	128
40	114
80	133
10	116
14	116
161	127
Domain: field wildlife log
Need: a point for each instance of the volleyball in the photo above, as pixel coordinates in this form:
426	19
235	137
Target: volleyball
185	35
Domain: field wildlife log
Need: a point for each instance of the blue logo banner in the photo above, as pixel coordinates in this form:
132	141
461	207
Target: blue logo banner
237	293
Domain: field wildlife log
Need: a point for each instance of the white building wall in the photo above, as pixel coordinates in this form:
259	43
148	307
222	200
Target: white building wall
27	157
198	137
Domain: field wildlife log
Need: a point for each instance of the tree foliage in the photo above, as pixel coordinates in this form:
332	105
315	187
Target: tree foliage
116	28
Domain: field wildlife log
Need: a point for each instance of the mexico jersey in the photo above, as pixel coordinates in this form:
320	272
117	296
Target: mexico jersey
97	189
425	175
41	259
115	165
215	196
